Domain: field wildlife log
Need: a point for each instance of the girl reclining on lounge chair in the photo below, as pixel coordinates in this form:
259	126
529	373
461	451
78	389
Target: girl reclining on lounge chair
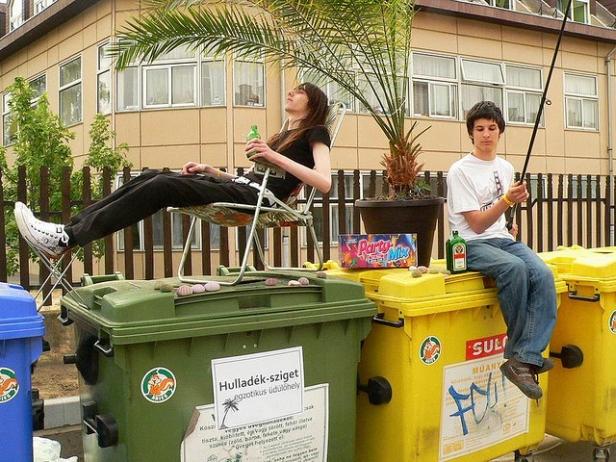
302	151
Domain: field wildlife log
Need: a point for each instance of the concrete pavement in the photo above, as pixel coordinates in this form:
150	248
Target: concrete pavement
552	449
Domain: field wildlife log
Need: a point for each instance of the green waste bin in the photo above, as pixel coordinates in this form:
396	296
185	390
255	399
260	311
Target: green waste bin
251	372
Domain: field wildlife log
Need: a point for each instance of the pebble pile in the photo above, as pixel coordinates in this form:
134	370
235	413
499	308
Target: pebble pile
212	286
418	271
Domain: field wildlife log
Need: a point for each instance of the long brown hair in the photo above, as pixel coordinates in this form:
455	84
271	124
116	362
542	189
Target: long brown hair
317	115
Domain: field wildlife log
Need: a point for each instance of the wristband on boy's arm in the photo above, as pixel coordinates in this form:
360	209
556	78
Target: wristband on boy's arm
508	201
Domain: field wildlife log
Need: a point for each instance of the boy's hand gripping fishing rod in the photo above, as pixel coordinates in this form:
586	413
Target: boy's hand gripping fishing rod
541	105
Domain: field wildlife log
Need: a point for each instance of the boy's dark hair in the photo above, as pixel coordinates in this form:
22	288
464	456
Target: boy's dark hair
484	110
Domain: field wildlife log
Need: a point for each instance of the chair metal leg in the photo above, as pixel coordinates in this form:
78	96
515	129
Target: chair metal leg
316	245
269	267
56	272
259	249
185	252
251	236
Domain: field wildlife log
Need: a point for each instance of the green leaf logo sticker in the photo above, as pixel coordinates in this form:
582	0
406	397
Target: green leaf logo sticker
612	322
9	386
158	385
430	350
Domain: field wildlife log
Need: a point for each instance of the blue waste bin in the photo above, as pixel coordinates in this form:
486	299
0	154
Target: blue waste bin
21	343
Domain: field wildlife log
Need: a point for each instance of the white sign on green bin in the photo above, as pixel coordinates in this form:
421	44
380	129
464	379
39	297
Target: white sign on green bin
258	387
480	408
298	437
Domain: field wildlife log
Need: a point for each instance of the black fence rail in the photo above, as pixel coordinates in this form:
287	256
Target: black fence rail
563	210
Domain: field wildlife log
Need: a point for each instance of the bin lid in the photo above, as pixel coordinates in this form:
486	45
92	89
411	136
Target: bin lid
595	266
133	311
18	315
431	293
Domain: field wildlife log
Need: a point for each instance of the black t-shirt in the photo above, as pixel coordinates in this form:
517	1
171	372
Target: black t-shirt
300	152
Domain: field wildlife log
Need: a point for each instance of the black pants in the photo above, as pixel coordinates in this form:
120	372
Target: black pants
146	194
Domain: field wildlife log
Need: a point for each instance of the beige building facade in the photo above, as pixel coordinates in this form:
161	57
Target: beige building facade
194	107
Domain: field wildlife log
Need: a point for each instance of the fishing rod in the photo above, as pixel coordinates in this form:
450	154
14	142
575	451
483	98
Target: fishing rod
541	105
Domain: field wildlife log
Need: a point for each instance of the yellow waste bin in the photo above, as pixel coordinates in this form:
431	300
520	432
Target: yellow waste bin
581	405
437	342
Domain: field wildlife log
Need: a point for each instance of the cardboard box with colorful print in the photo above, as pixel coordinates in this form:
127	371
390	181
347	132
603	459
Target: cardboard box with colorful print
378	250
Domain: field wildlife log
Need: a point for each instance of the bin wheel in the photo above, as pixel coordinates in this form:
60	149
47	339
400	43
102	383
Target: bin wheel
523	457
601	454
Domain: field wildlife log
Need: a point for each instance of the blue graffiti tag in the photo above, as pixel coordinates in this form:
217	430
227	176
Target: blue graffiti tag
490	393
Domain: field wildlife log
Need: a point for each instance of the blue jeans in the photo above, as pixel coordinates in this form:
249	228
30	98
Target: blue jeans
526	293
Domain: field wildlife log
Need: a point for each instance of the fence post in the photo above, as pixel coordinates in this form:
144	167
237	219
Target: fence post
3	254
24	250
109	250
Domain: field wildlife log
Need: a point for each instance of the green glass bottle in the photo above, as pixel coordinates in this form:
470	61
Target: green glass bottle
252	135
456	253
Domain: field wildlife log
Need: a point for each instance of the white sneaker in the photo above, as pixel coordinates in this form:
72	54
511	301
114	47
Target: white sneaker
48	238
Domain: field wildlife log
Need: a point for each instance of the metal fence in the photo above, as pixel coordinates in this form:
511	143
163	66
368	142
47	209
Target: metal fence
562	210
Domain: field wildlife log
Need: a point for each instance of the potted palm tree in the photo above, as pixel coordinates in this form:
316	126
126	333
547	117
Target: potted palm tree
362	46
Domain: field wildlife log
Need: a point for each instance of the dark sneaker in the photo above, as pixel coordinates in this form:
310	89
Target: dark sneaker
523	376
547	365
48	238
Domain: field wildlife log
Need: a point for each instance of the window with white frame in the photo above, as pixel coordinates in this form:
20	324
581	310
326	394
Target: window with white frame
506	4
581	101
71	92
213	81
579	11
374	95
448	86
9	125
249	82
434	86
171	80
103	80
335	94
182	78
39	86
40	5
127	89
16	14
481	81
524	91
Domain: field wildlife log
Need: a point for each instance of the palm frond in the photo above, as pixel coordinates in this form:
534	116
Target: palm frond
333	39
330	40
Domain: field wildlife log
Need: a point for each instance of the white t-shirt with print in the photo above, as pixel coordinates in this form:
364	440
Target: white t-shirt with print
476	185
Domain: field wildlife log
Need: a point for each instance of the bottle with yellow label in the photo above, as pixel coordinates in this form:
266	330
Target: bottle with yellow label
456	253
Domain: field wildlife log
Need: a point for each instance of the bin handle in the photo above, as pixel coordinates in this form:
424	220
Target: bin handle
104	426
574	296
378	319
105	350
